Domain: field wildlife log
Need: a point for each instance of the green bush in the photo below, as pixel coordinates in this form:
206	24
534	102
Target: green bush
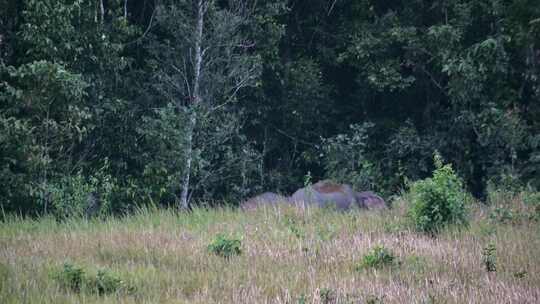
70	277
503	188
438	201
520	274
378	257
532	202
105	282
503	215
78	195
346	159
326	295
68	196
225	247
294	224
531	197
514	206
536	215
489	258
77	279
374	300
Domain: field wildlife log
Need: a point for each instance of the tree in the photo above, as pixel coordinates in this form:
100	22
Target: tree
216	99
57	88
200	67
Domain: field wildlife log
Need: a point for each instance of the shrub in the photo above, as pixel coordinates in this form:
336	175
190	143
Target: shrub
378	257
532	202
326	295
295	225
438	201
514	207
374	300
70	277
520	274
536	215
503	215
225	247
78	195
296	231
105	282
77	279
503	188
489	258
346	159
531	198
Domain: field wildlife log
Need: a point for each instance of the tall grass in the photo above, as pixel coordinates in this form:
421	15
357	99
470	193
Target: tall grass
288	256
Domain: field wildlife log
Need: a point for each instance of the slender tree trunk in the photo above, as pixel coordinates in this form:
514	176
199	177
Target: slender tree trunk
196	101
198	51
102	10
184	202
45	155
263	157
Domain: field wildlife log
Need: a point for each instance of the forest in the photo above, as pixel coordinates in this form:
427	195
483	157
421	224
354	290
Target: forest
191	102
151	151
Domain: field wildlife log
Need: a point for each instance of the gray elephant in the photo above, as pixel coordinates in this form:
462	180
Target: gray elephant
370	200
326	193
265	199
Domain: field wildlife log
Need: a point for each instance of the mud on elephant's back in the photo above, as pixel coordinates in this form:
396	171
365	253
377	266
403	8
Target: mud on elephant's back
325	193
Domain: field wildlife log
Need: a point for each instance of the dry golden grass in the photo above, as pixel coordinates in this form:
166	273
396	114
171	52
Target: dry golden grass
289	256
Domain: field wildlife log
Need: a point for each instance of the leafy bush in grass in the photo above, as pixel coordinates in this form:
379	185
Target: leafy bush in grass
374	300
225	247
439	200
489	258
503	215
513	206
326	295
105	282
78	195
531	199
77	279
536	215
70	277
378	257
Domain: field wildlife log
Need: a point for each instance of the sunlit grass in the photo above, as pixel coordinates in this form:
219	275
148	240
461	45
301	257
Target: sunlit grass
288	255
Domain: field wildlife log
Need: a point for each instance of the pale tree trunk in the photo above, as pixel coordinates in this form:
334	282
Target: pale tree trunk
102	10
184	203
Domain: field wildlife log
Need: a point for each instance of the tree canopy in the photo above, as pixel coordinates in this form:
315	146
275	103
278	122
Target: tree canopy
165	101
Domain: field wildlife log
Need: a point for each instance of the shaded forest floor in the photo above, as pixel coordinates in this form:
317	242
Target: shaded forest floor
288	256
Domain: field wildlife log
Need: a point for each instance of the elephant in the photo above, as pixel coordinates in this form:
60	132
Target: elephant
265	199
326	193
370	200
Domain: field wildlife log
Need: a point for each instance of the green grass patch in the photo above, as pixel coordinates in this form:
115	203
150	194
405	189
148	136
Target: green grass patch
378	257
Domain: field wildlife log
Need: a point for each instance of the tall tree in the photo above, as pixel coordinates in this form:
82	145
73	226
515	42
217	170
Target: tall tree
201	66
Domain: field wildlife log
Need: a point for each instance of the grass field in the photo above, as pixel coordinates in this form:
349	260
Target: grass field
288	256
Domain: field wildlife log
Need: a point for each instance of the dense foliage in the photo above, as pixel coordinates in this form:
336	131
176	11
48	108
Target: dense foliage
225	247
214	100
439	200
378	257
77	279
